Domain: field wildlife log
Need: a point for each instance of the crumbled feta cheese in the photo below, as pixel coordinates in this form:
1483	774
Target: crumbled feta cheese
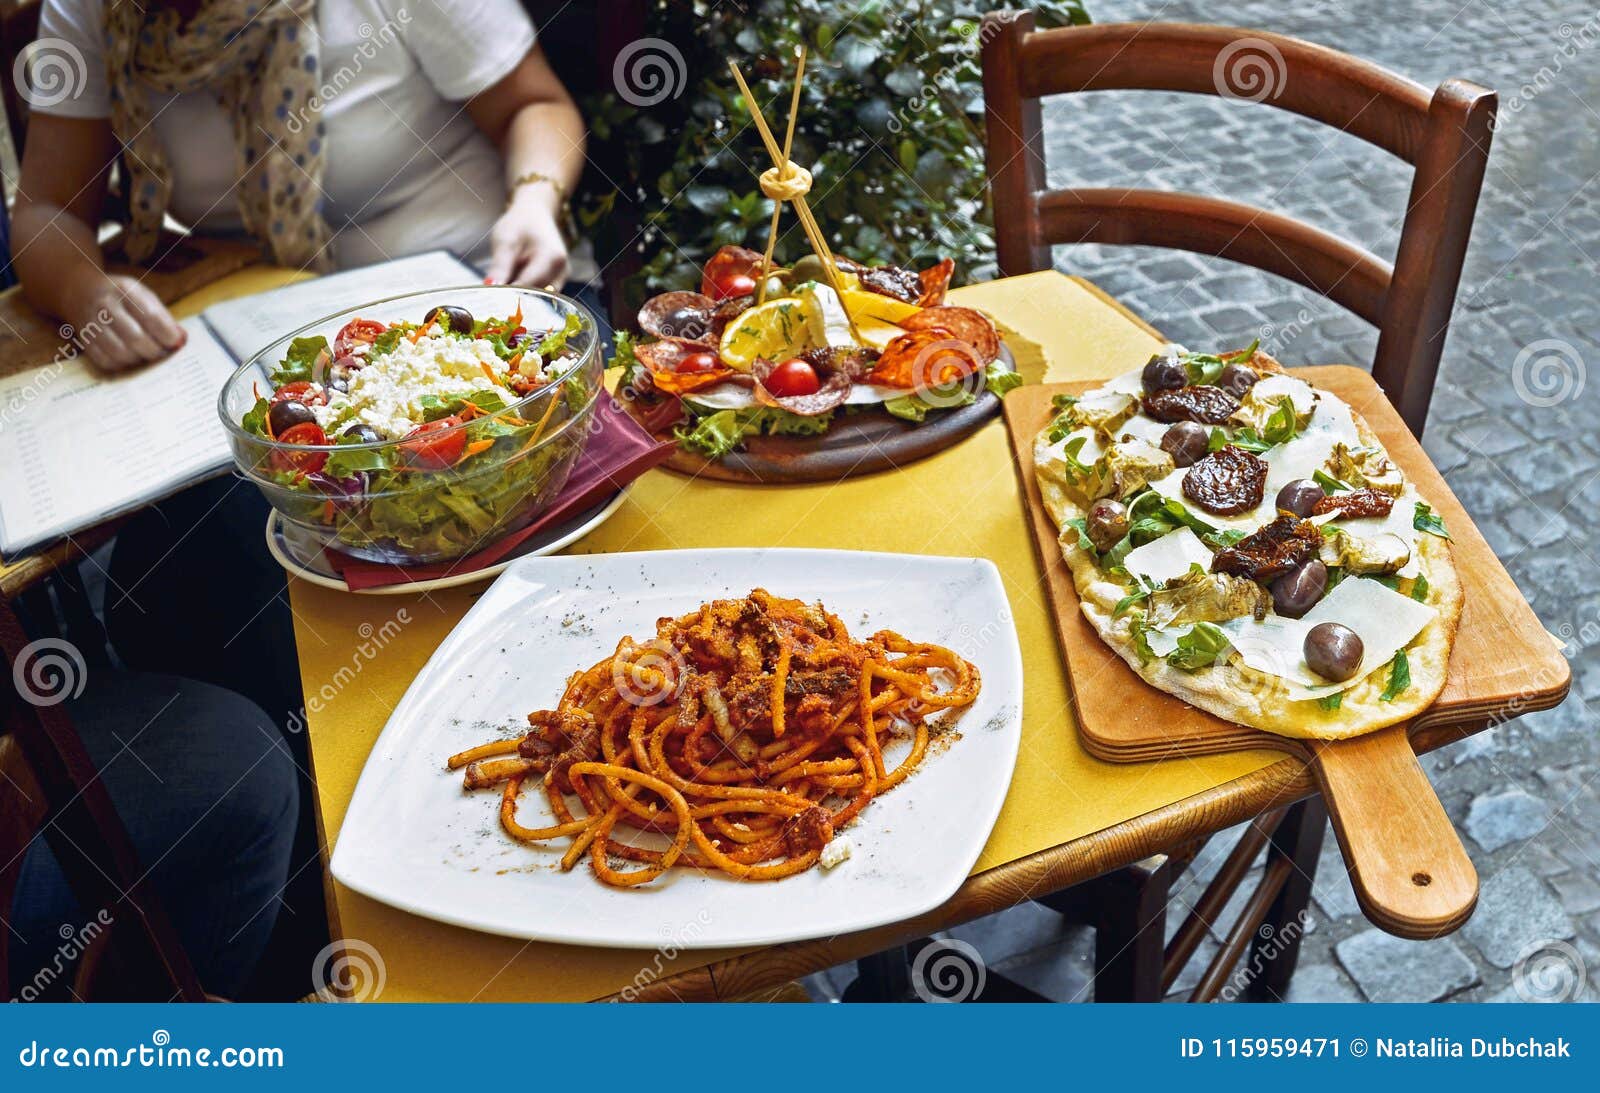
386	393
836	852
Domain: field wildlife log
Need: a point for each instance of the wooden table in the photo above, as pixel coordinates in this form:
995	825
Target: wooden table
1068	816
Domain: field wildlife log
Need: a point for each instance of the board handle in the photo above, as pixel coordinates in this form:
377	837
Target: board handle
1411	874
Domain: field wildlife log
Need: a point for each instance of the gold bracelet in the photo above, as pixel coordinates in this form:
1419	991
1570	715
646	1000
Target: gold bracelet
564	218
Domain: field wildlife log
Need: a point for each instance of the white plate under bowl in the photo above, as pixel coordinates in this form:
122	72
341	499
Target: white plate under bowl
414	839
302	556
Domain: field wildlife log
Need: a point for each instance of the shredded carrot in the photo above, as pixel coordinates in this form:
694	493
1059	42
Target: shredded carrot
494	379
475	447
511	365
416	335
516	320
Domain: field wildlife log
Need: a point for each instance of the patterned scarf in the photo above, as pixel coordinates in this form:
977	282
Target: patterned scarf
260	60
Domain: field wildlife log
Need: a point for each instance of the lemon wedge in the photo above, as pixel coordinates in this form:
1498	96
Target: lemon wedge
775	330
875	305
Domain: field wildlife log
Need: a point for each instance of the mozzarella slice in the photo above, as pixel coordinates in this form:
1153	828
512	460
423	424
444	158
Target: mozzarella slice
1383	619
1160	560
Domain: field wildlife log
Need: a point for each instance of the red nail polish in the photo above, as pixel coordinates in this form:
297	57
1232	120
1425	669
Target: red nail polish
489	281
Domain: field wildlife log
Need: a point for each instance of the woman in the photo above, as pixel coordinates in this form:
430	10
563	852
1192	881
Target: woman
335	134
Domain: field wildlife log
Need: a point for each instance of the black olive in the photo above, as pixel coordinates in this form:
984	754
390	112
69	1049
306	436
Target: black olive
1164	374
1298	590
1333	651
458	319
287	414
1237	378
1300	497
366	434
1186	442
1107	523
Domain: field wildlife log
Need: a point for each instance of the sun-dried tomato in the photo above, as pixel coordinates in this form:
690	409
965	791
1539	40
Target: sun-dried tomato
1226	482
1356	504
1271	552
1205	404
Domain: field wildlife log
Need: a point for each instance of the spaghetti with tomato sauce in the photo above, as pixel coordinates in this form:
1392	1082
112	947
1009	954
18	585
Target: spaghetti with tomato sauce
747	733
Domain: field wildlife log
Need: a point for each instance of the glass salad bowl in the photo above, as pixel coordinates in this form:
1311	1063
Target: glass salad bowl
422	427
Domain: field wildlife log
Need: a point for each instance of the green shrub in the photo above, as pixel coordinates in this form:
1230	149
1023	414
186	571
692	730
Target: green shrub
891	126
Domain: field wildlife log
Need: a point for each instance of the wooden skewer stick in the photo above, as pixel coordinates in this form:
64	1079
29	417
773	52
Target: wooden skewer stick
786	171
788	145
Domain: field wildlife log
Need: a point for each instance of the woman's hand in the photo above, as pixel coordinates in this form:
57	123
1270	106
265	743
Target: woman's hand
526	245
120	323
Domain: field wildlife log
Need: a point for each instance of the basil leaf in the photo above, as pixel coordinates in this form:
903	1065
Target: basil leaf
1425	519
1331	702
1201	647
1399	677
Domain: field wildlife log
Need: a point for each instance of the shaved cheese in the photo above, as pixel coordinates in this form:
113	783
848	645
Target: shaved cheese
1160	560
1147	429
1129	383
1383	619
1334	417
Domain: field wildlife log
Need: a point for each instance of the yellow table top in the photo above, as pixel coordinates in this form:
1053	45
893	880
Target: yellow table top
963	502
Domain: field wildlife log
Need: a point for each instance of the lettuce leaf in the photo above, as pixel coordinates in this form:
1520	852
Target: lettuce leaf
717	434
298	362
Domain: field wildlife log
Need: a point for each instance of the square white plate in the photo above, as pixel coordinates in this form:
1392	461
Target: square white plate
415	840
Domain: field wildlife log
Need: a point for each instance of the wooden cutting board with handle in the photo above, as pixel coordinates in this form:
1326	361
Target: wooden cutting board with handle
1406	862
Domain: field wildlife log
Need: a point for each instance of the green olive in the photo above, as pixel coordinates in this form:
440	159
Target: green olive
809	268
777	285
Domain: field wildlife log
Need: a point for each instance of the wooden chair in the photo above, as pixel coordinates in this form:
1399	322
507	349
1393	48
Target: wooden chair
49	786
1445	135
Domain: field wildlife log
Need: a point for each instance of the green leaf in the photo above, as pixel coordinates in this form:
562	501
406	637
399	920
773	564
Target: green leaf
1070	451
719	433
998	380
1329	483
299	361
1399	677
1081	526
1201	647
907	407
1419	589
255	419
1136	596
1425	519
1331	702
344	462
1141	642
1281	425
1063	401
555	342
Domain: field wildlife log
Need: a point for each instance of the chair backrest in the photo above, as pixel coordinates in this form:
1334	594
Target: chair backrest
1445	135
52	789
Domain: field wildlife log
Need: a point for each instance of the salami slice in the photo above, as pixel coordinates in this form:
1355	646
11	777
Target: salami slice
662	359
972	327
831	395
925	358
935	281
727	262
679	315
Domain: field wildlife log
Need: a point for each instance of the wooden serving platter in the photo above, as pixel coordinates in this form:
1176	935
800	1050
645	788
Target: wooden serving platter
1410	872
865	442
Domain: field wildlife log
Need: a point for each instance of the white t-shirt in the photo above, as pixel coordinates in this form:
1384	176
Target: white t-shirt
407	168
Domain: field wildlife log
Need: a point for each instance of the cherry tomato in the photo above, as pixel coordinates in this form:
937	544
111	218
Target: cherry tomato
431	446
356	332
307	432
733	284
793	377
304	391
698	362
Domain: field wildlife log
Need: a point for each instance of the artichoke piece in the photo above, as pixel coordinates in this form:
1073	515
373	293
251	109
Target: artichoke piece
1366	468
1206	597
1127	467
1359	555
1266	398
1103	411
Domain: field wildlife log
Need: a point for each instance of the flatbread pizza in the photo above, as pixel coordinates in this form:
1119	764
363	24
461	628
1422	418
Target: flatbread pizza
1243	541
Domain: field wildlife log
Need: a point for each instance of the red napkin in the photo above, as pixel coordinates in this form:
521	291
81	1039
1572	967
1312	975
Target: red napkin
617	453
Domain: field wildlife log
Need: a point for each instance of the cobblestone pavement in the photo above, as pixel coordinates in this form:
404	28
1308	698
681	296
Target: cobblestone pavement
1512	427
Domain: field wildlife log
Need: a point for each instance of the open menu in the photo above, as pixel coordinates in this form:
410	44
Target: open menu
78	447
